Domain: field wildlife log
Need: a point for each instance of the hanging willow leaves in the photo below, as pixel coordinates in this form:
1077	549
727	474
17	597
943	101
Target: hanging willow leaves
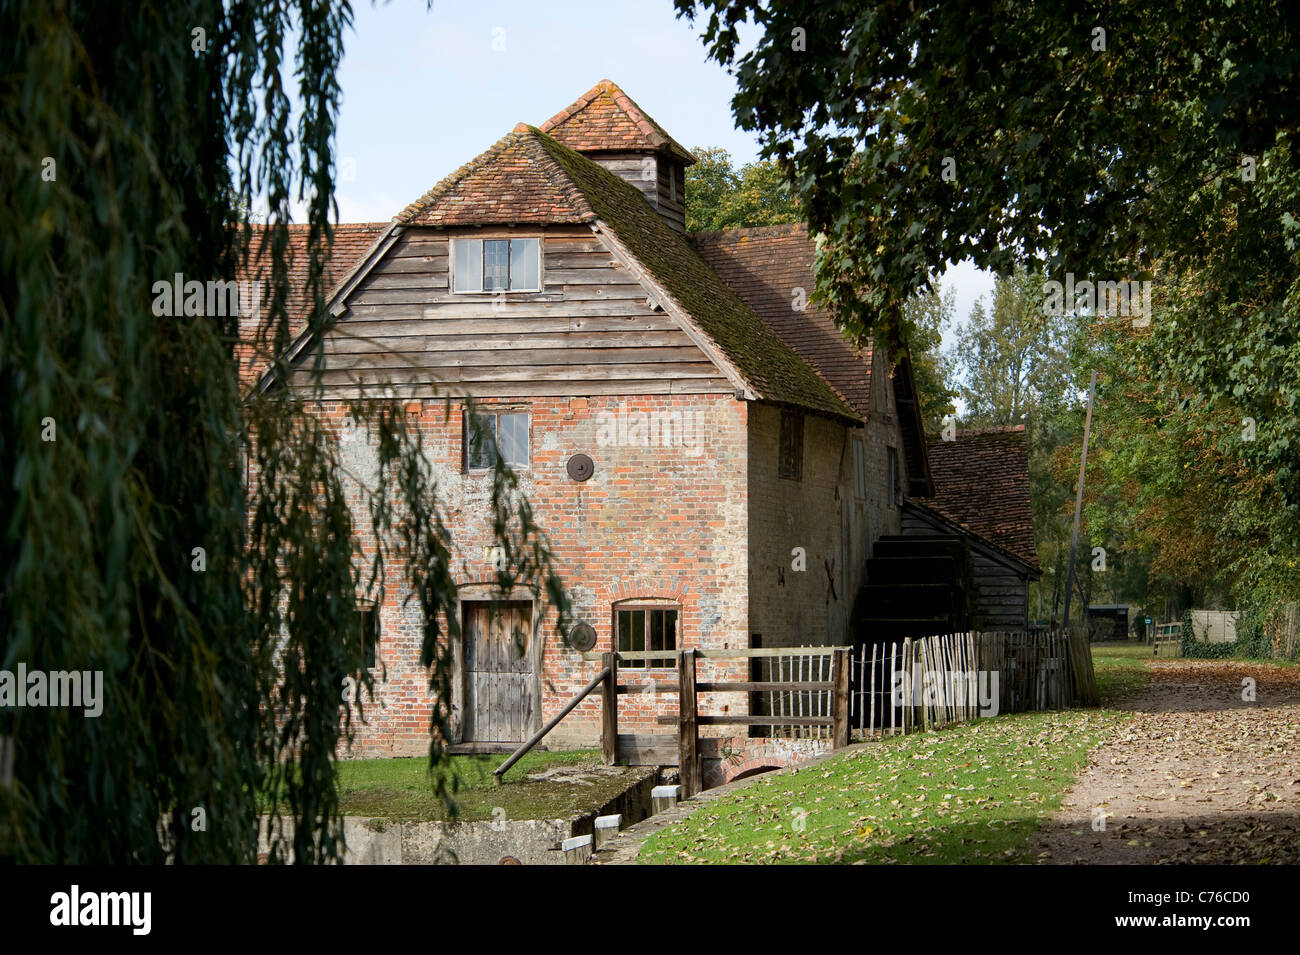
197	547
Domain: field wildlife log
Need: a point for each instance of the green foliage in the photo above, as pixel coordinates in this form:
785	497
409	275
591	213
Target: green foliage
720	196
1014	360
1175	472
221	684
1015	365
929	315
1172	143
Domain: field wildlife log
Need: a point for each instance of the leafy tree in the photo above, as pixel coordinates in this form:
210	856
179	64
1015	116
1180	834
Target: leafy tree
217	599
1172	477
1102	143
1013	357
1013	364
930	315
719	196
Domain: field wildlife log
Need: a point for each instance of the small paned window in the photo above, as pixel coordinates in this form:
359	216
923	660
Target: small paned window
791	454
496	265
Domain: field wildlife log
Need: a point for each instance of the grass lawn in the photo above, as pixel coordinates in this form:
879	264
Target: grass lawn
401	788
973	793
1120	668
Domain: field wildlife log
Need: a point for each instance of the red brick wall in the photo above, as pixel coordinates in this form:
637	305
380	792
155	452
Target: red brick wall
653	521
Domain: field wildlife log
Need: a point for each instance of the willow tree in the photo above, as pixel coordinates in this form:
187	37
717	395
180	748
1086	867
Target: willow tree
219	607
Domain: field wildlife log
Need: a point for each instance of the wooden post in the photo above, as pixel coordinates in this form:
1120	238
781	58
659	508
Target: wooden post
1078	502
840	704
609	710
688	738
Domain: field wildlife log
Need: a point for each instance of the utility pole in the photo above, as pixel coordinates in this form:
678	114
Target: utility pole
1078	500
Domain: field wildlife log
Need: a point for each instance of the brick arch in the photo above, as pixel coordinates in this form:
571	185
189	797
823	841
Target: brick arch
728	770
665	588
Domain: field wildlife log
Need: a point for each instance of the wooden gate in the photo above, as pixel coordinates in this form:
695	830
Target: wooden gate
501	683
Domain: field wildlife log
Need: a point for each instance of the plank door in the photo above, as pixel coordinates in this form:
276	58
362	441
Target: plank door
501	684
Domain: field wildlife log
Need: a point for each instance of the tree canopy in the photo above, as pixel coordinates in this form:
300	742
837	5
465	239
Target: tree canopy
196	549
720	196
1129	142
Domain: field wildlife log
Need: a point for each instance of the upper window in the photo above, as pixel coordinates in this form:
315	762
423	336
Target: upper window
859	469
648	628
791	456
490	434
895	486
496	265
369	614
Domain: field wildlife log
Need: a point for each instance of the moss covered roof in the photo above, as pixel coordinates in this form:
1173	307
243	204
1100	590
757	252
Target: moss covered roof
771	368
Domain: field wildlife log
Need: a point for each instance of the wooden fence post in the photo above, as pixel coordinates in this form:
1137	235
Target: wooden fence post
609	710
688	739
840	704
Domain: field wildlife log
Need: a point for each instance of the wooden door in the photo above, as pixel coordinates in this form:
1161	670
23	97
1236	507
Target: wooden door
501	684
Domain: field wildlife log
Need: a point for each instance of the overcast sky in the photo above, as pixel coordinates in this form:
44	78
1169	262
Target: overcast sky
425	91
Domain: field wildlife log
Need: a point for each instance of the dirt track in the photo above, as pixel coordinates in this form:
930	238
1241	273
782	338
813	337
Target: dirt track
1198	775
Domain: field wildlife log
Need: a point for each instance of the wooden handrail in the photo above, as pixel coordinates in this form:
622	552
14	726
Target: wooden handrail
537	737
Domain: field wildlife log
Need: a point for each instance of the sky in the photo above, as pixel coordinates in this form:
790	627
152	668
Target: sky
425	91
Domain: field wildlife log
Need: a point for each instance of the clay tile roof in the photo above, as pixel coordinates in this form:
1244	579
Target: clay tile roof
769	366
349	244
529	177
982	483
767	266
605	119
515	181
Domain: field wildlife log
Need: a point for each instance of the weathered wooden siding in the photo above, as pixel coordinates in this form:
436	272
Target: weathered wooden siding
657	187
1002	595
1001	598
633	167
588	331
671	198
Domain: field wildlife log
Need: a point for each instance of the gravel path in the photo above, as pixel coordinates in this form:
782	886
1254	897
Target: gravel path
1198	775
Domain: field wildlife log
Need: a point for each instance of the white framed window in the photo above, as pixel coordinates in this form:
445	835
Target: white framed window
496	265
488	435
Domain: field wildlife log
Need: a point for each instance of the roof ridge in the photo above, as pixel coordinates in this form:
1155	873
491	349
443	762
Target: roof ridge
776	227
526	137
445	184
556	174
335	227
655	134
775	381
994	429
